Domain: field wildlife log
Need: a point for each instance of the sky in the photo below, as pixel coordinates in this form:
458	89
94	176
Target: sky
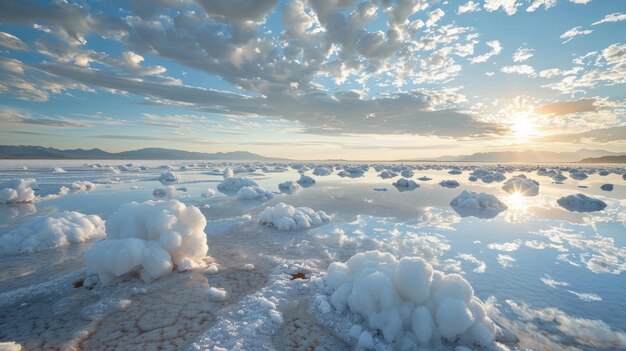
315	79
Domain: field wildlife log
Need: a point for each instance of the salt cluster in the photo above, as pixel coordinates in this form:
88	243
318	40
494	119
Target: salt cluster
581	203
405	303
232	185
287	217
482	205
17	191
58	230
254	193
149	239
521	185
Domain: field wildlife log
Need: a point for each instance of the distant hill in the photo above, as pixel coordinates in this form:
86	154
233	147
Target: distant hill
605	159
527	156
35	152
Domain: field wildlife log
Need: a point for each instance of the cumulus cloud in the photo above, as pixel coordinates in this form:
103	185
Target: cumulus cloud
537	3
523	54
496	48
508	6
519	69
469	6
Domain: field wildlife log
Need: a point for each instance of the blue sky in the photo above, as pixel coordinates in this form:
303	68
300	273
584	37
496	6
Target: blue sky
313	79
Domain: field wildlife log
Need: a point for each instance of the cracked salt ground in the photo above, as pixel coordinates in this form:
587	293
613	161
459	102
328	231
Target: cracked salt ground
300	332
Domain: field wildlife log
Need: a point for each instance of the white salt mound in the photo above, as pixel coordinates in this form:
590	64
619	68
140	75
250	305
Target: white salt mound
406	302
58	170
287	217
228	172
581	203
168	191
17	191
449	183
58	230
82	186
483	205
306	181
288	187
150	239
254	193
406	184
232	185
522	185
169	177
210	192
322	171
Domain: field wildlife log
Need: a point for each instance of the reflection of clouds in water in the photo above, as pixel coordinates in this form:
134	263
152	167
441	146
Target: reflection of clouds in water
597	252
435	217
552	329
13	211
505	260
371	233
512	246
480	265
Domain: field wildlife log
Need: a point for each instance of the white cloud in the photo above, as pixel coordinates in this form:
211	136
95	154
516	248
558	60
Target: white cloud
537	3
519	69
574	32
11	42
434	17
508	6
469	6
523	54
612	18
496	48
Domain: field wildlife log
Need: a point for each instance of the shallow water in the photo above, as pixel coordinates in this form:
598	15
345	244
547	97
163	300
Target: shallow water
535	254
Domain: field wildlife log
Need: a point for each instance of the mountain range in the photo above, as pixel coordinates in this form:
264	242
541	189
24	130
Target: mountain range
528	156
40	152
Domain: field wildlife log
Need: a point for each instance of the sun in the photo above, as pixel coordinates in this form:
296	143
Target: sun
523	126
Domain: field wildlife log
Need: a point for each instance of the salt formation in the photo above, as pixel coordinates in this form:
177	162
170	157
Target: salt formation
407	173
82	186
322	171
150	239
386	174
581	203
424	178
288	187
481	205
17	191
559	178
254	193
168	191
306	181
210	192
455	171
58	230
352	172
58	170
578	175
488	176
521	185
405	303
449	183
607	187
169	177
287	217
228	172
232	185
404	184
